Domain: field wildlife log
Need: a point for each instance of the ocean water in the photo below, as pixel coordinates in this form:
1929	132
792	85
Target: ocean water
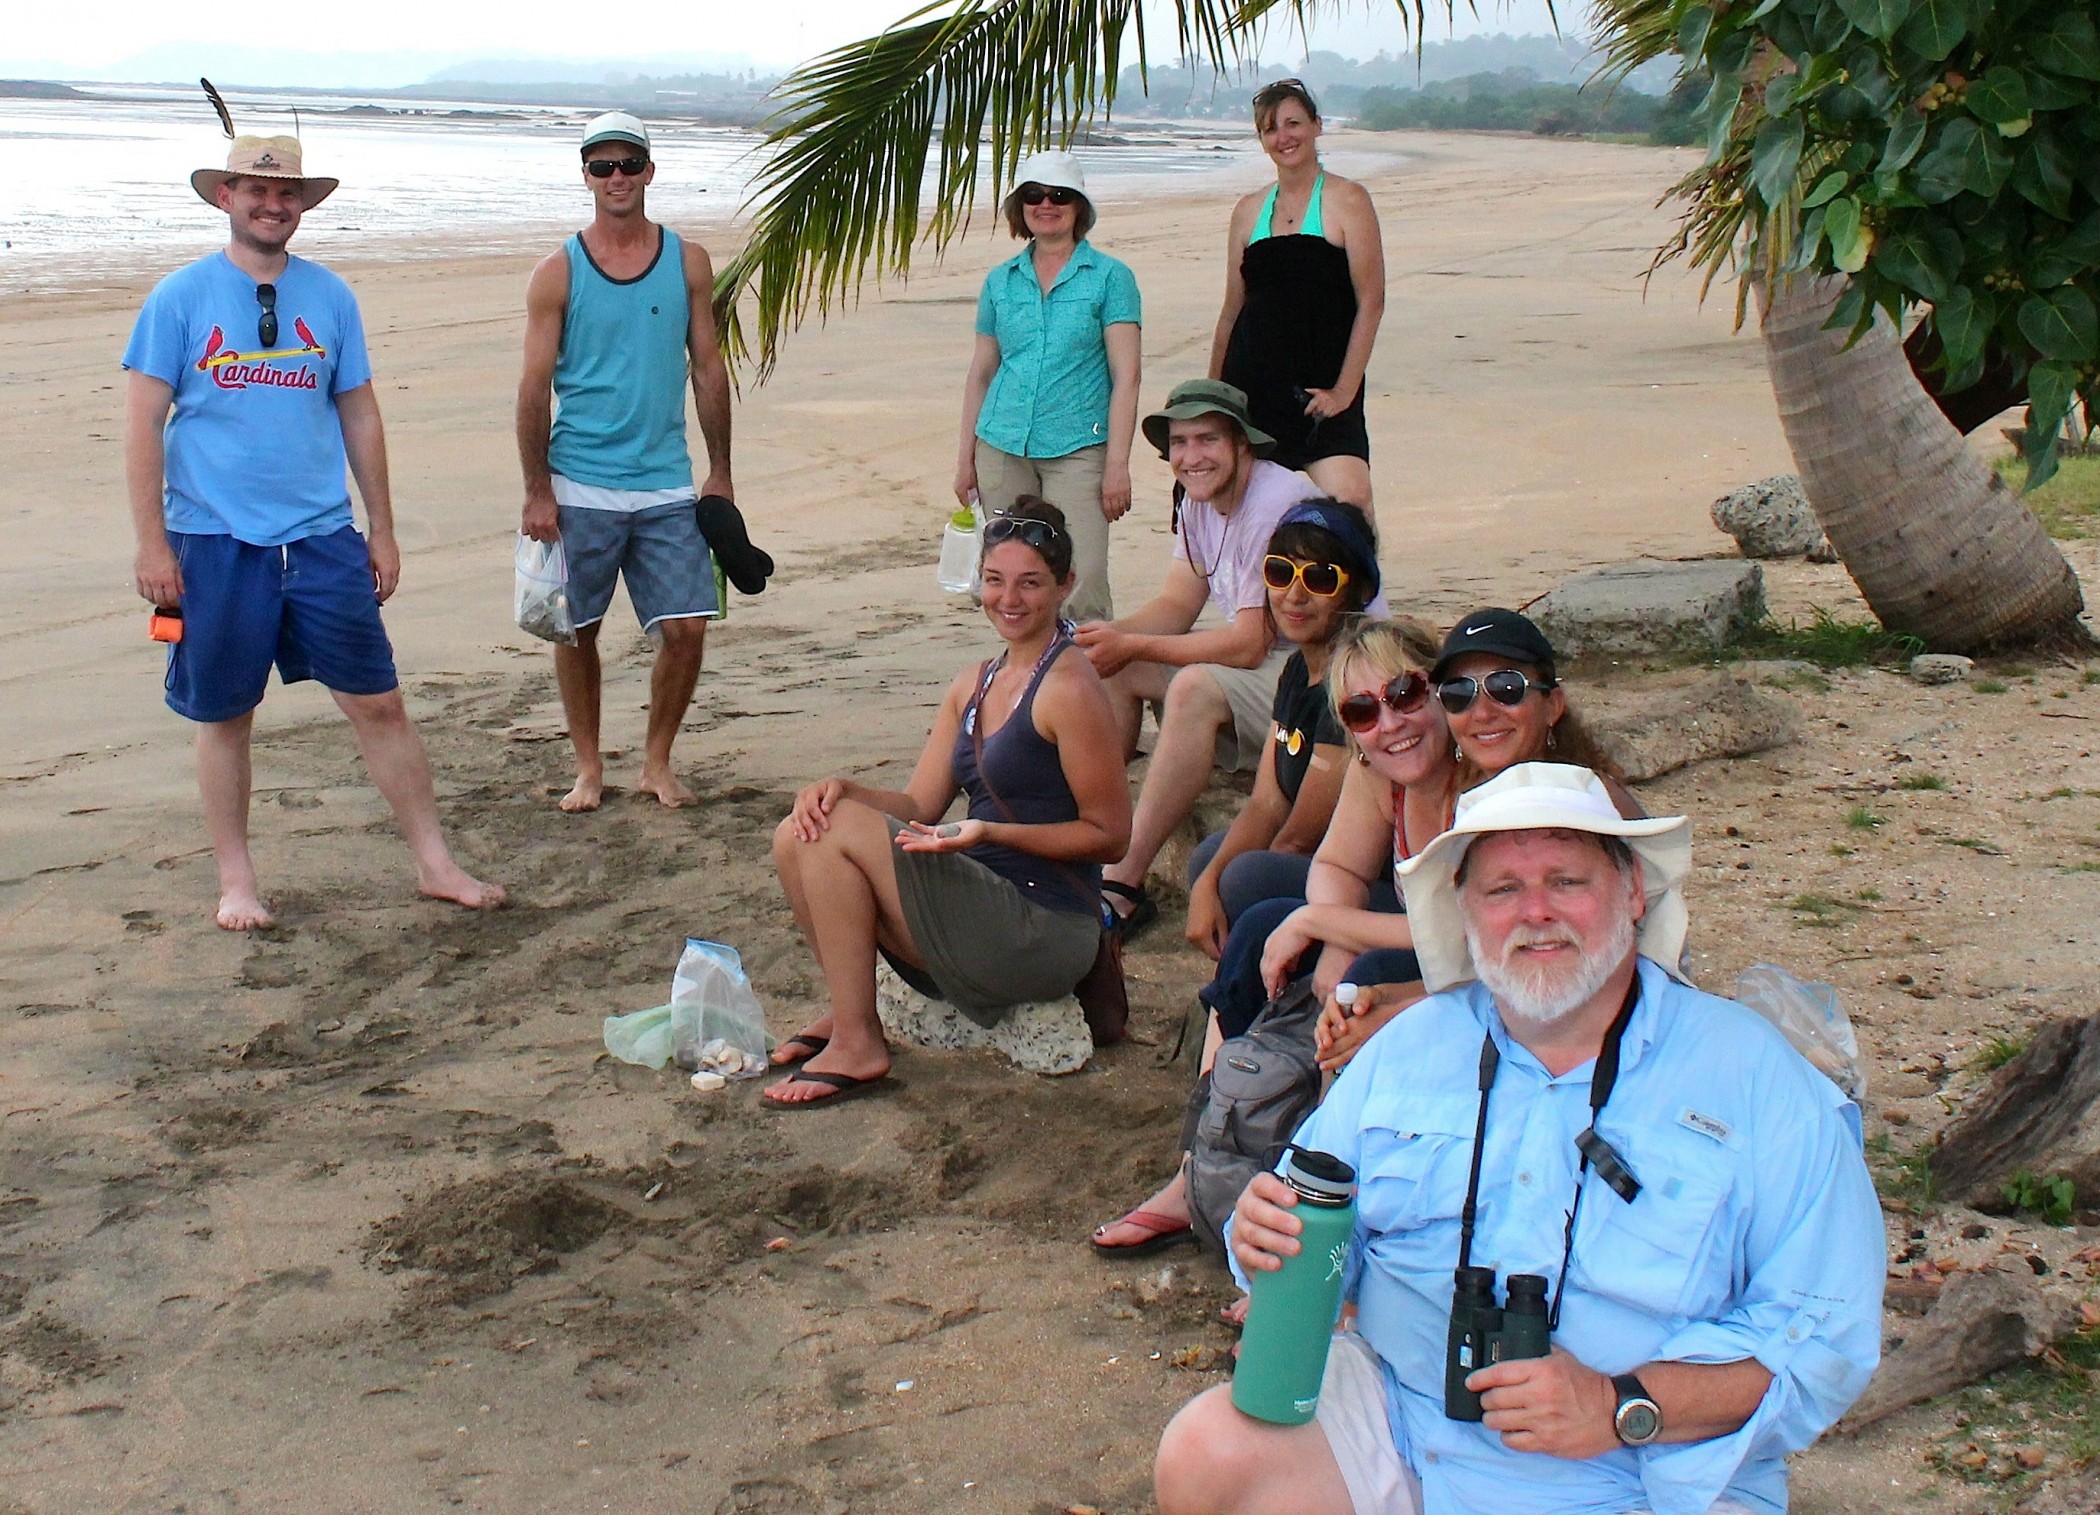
91	189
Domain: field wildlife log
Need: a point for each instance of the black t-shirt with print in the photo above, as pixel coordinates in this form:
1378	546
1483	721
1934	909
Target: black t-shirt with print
1304	720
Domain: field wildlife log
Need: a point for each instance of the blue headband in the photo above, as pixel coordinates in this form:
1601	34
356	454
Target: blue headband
1346	524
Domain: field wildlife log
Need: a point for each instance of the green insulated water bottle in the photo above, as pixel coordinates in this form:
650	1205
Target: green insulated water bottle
1283	1351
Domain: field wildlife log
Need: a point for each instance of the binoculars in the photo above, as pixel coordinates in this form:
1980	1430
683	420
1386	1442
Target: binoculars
1483	1332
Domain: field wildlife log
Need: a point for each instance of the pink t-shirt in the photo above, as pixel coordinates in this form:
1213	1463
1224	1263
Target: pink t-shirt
1227	550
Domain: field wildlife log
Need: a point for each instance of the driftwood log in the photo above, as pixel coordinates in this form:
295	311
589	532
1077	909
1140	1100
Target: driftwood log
2040	1114
1982	1322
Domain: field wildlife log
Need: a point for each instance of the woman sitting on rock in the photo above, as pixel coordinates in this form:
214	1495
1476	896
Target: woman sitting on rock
1322	566
1000	908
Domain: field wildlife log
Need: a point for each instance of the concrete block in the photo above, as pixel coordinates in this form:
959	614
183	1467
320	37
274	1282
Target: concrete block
1646	607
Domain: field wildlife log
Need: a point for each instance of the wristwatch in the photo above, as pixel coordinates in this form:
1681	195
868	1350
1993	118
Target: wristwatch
1639	1419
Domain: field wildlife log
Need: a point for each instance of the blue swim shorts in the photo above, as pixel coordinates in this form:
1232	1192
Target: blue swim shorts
670	573
308	607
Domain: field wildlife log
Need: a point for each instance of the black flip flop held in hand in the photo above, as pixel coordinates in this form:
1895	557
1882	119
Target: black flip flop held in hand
748	567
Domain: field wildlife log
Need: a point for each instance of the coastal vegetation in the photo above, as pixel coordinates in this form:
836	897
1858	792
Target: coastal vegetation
1517	100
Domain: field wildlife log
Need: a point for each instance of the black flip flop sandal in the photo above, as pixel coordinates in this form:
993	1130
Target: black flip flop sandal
748	567
816	1045
847	1085
1144	910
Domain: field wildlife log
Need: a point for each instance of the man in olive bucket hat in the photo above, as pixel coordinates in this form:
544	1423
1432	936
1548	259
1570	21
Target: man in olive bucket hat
246	543
1215	686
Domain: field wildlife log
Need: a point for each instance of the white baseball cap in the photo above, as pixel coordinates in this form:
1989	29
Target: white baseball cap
616	126
1542	797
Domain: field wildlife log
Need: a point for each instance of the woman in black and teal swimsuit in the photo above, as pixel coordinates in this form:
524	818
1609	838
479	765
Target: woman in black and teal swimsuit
1304	292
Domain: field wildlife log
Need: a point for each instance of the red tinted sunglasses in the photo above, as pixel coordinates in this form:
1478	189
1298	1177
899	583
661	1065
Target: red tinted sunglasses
1403	696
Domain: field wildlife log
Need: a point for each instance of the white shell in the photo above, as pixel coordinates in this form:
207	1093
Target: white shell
707	1082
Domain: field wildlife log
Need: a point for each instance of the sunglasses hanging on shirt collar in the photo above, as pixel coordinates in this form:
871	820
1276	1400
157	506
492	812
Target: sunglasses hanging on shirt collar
266	323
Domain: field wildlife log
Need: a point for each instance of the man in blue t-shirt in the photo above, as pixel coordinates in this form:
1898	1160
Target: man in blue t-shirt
245	538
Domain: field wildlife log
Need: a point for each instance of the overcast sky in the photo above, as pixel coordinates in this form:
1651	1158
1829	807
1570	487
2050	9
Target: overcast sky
769	35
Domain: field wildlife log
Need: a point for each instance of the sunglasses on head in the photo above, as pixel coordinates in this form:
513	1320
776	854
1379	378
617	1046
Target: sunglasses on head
1037	534
1056	194
1322	580
1405	695
266	323
602	168
1505	686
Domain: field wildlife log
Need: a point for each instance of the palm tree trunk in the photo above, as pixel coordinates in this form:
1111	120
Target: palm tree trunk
1936	542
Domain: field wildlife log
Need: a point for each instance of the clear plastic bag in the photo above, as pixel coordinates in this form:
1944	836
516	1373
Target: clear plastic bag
712	1001
541	604
1810	1017
643	1038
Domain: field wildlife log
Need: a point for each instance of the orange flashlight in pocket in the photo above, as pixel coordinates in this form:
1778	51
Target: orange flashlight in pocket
166	625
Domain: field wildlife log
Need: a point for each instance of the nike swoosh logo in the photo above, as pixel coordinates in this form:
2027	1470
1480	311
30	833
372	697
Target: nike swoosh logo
1474	631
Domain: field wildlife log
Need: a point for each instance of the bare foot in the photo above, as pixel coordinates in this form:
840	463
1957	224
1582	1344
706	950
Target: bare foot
587	793
804	1044
454	883
664	784
1168	1205
798	1090
240	910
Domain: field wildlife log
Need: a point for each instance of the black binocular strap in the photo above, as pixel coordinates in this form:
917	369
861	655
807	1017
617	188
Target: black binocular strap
1602	1080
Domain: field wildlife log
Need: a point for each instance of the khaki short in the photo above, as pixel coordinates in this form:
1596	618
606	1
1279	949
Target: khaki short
1251	692
1353	1417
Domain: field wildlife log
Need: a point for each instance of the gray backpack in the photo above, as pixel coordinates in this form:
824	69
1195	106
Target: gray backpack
1244	1111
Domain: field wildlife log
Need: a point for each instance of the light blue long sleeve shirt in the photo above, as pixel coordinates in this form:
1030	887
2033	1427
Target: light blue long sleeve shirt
1756	1234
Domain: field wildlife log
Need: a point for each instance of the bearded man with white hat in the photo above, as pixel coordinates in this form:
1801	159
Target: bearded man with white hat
249	390
1688	1187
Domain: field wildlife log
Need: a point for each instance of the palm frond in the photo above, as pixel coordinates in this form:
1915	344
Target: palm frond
953	88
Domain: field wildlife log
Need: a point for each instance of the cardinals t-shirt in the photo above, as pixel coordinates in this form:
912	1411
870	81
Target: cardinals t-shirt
254	444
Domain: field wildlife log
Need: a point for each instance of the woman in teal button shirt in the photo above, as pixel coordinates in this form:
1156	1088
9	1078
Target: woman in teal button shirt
1051	400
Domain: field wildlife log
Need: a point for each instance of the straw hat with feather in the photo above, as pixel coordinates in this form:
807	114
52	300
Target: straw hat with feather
257	158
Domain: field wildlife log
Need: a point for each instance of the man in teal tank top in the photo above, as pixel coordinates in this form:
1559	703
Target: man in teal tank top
617	319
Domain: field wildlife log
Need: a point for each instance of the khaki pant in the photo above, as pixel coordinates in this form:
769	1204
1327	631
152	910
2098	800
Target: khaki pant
1073	484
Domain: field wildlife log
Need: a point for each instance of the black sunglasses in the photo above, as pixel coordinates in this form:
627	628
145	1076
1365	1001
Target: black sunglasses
1403	696
1036	194
1037	534
602	168
266	323
1505	686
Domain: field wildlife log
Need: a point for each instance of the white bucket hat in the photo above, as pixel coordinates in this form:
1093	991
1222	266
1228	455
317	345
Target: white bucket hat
1542	797
1052	170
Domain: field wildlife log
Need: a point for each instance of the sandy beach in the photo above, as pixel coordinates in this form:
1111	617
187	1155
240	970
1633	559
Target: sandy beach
350	1214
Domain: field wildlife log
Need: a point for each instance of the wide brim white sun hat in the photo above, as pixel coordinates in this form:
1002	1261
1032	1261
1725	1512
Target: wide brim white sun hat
1542	797
1052	170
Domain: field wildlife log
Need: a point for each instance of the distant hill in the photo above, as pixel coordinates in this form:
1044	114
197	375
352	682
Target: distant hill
38	89
1339	83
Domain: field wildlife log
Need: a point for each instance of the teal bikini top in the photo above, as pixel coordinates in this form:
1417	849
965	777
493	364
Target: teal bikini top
1313	226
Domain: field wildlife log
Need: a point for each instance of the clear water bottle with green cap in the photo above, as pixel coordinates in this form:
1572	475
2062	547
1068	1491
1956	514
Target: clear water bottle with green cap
961	544
1290	1319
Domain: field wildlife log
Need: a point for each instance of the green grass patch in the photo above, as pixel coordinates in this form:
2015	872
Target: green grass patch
1860	818
2068	506
1990	686
2062	793
1921	781
1839	849
2090	676
1821	910
2034	1194
1973	844
2000	1050
2083	868
1869	894
1898	1175
1829	642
